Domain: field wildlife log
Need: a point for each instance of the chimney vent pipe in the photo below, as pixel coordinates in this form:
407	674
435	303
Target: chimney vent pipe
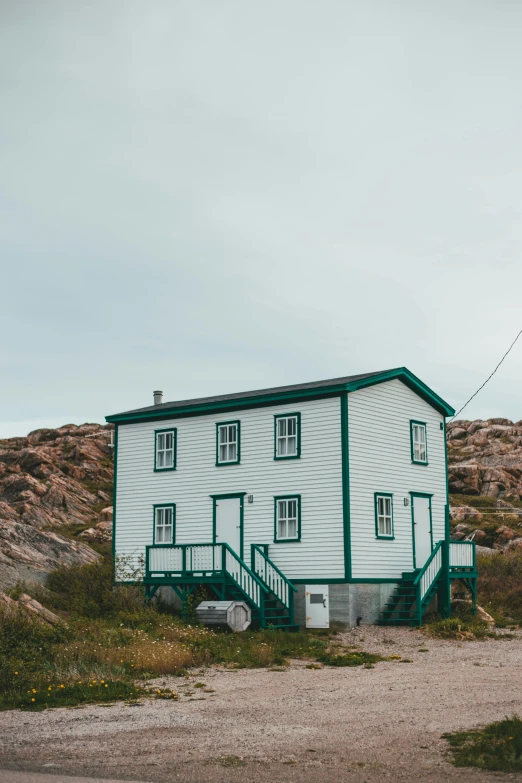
158	397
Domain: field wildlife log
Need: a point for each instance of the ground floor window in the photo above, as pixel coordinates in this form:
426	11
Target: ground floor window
287	518
383	515
164	517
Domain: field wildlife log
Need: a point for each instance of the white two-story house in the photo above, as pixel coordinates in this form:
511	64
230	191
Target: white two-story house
318	502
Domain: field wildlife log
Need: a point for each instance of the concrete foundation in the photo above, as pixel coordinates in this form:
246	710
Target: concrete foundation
350	604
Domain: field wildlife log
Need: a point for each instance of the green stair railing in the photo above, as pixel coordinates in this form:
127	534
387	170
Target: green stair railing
426	579
272	577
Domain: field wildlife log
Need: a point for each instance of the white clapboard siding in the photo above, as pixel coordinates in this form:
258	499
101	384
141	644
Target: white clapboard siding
316	476
380	461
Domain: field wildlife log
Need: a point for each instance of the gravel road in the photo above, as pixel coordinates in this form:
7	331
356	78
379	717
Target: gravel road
311	726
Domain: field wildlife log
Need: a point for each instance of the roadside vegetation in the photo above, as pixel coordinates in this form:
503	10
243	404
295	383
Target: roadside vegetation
110	643
497	747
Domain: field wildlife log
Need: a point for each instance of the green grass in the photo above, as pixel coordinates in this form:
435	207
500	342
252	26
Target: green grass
352	658
110	634
496	747
109	640
44	696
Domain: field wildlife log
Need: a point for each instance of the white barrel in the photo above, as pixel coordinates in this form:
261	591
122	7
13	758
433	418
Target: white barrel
234	614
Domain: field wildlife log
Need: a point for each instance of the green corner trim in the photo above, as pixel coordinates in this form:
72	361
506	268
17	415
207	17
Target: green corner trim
447	533
174	448
155	506
345	473
376	497
297	416
418	461
230	496
115	479
297	497
236	461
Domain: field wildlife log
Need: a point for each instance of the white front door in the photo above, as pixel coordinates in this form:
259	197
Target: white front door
421	529
317	611
228	522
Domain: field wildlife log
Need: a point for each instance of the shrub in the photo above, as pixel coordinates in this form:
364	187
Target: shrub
24	643
463	625
497	747
500	584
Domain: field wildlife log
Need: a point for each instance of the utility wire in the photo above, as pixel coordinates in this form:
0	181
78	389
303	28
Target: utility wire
487	379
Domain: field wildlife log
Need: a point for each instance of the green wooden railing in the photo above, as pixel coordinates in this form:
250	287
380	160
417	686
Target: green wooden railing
186	561
272	577
463	554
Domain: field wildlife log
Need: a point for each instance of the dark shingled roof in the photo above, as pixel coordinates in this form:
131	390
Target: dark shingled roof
297	387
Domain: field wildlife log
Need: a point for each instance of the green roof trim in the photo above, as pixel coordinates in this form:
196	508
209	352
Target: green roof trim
298	393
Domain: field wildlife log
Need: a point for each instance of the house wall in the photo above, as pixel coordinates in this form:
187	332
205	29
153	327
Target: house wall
316	476
380	461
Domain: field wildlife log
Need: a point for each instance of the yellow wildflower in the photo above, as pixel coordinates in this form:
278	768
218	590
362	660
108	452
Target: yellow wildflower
34	690
106	685
16	672
33	699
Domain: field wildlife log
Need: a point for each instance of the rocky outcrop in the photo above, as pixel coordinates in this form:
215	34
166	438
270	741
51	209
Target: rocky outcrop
30	605
100	532
485	458
52	480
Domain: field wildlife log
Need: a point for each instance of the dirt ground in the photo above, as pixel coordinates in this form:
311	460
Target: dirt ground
312	726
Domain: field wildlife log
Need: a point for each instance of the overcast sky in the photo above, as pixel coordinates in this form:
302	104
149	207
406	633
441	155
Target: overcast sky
214	196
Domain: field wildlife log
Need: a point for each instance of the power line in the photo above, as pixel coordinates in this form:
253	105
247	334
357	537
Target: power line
487	379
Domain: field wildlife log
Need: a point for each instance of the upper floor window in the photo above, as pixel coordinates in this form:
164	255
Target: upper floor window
228	443
419	446
383	515
287	518
165	453
164	517
287	436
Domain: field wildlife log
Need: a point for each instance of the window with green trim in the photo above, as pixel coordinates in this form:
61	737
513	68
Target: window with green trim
228	443
383	515
165	450
287	518
419	445
287	436
164	524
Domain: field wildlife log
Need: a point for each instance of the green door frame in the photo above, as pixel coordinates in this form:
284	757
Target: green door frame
229	496
414	495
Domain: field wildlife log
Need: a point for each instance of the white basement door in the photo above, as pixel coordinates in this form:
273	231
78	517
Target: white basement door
422	529
317	611
228	523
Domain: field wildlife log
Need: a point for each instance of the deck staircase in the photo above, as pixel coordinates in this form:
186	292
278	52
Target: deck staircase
263	586
415	591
